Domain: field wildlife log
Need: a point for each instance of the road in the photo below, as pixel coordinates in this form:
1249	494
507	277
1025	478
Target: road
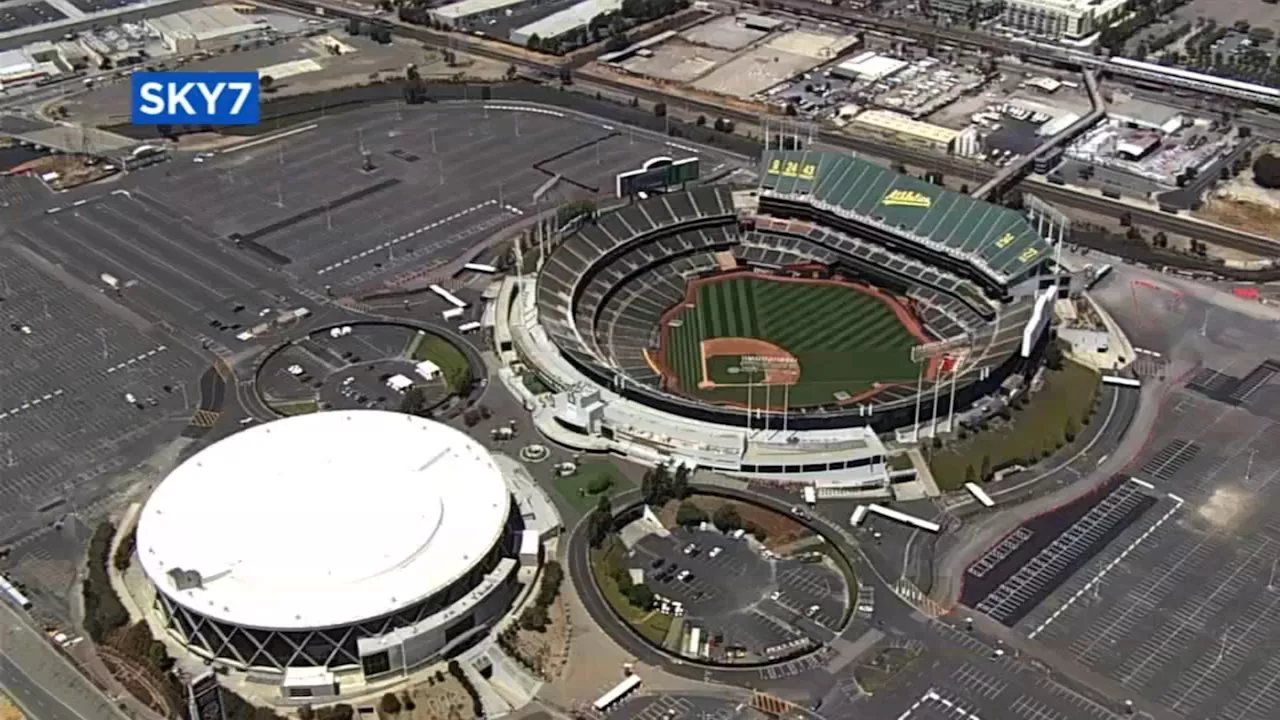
43	683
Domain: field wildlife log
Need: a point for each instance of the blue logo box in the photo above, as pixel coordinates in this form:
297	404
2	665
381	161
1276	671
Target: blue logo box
195	98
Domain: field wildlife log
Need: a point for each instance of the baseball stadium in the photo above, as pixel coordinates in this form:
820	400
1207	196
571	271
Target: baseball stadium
833	294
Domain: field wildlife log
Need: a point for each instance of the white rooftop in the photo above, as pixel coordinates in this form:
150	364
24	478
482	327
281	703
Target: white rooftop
324	519
569	19
467	8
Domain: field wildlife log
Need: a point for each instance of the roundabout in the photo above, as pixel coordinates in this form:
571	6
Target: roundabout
534	453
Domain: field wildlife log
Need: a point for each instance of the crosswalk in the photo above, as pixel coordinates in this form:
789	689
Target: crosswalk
770	704
205	418
916	598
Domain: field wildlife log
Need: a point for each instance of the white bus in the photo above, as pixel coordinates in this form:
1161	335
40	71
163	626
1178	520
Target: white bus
480	268
904	518
619	691
14	594
1121	381
468	327
979	494
448	296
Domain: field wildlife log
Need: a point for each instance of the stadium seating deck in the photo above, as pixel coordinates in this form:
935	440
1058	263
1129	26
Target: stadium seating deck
603	291
994	239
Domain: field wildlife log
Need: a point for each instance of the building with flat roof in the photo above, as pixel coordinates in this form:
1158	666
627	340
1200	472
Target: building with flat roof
467	12
561	24
209	28
341	543
1062	19
868	66
1143	114
901	128
981	9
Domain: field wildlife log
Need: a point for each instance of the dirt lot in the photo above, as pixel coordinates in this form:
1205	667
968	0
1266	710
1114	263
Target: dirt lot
439	698
547	652
1248	216
780	529
9	711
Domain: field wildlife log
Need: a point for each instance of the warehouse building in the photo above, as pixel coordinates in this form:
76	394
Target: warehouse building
565	23
211	28
470	12
868	67
900	128
979	9
1062	19
1142	115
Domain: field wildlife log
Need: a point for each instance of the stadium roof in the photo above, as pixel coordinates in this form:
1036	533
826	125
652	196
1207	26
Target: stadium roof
998	240
323	520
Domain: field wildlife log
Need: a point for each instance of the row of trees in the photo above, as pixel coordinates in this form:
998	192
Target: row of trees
104	614
477	707
538	613
661	484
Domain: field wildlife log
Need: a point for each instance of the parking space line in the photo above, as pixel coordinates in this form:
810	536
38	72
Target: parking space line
406	236
1109	567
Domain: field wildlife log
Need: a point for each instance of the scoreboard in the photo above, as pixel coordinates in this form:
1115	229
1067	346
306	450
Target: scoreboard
658	175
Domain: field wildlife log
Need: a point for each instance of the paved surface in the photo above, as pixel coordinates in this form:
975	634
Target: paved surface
45	685
443	178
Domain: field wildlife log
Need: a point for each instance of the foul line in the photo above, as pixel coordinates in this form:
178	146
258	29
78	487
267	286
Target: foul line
1178	502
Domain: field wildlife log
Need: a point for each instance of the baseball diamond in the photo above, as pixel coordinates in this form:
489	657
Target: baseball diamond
742	338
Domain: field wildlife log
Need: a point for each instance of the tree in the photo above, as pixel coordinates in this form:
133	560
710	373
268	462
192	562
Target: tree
690	514
985	473
640	596
390	704
306	712
660	109
655	486
414	402
600	523
407	701
968	474
702	120
266	83
1071	429
726	518
1266	171
534	42
680	482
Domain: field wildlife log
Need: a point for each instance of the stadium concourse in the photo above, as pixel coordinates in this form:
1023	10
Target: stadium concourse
728	327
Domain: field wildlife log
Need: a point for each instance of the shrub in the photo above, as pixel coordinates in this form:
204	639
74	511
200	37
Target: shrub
390	704
1266	171
124	552
103	612
690	514
599	484
477	707
726	518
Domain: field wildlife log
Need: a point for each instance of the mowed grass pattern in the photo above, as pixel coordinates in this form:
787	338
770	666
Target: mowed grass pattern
844	339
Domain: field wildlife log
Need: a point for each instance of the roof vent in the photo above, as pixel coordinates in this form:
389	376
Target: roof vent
185	579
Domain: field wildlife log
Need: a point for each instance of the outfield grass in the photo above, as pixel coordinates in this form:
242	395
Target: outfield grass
605	562
844	339
452	362
1041	426
573	488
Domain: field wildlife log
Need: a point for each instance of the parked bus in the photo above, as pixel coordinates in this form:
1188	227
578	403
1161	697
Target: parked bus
904	518
14	595
448	296
619	691
1121	381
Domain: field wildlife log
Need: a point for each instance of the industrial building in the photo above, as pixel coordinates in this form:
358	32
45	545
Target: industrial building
18	67
571	20
1062	19
979	9
900	128
209	28
1140	114
1137	146
868	67
468	12
331	548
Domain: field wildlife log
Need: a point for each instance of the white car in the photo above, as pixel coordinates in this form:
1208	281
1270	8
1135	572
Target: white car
715	551
813	610
295	370
775	595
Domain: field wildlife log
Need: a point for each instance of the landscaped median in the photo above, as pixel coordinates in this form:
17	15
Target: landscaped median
452	362
1026	433
630	602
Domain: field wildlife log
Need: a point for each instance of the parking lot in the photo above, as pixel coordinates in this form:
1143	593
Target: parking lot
84	387
1182	607
438	181
765	606
956	676
161	266
346	367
